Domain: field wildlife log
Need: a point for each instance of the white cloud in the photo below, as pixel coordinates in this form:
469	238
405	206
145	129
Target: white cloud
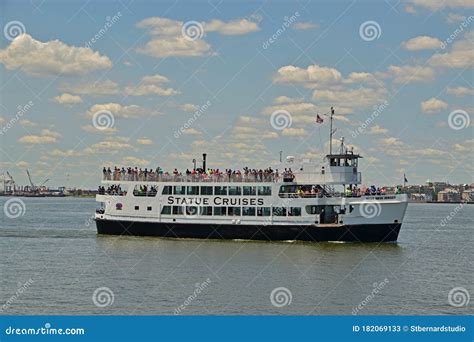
304	26
358	97
460	91
51	58
189	107
26	122
433	105
167	39
436	5
292	108
231	28
67	99
46	137
422	43
455	18
191	131
409	73
110	145
144	141
460	56
313	75
155	79
117	110
376	129
135	161
146	89
98	88
294	132
103	130
64	153
286	99
391	142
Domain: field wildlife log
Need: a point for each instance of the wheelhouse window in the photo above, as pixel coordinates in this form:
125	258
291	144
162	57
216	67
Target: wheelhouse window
206	190
294	211
279	211
167	190
263	211
248	211
166	210
206	211
179	190
250	191
177	210
193	190
233	211
235	191
219	211
220	190
264	190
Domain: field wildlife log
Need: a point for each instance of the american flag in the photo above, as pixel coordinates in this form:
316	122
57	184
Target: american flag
319	119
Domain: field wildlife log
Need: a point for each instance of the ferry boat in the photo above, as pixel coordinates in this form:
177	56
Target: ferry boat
301	201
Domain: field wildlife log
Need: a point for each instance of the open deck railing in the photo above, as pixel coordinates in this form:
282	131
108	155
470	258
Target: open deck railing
234	178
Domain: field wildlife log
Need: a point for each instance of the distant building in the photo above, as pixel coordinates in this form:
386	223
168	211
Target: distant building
468	195
449	195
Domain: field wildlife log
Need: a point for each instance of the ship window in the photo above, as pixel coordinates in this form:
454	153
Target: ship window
219	211
235	191
167	190
166	210
192	211
249	191
137	207
233	211
118	206
263	211
193	190
264	190
206	211
206	190
279	211
143	190
179	190
314	209
177	210
248	211
294	211
220	190
148	208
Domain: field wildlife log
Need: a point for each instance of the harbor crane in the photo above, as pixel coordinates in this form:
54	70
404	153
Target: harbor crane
34	187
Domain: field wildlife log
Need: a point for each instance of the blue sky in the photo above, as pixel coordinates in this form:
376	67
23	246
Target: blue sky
248	84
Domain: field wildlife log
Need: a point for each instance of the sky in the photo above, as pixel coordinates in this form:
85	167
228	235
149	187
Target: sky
157	83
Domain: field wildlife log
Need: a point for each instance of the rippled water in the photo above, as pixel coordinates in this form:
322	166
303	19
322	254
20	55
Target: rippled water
53	256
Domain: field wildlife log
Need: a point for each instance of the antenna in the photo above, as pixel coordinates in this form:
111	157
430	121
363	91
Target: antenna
331	131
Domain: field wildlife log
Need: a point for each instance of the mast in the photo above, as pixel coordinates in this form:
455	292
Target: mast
331	131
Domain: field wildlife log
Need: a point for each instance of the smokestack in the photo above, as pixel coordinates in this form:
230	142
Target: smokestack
204	161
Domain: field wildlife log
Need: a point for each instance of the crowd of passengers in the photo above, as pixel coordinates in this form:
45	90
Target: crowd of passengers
351	191
197	175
